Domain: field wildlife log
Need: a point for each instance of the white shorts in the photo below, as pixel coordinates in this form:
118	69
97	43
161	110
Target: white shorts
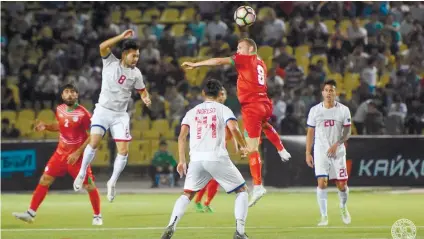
224	172
118	122
333	168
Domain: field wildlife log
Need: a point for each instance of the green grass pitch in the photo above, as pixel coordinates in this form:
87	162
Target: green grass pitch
277	215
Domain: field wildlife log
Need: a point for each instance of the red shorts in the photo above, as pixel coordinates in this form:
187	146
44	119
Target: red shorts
254	115
58	167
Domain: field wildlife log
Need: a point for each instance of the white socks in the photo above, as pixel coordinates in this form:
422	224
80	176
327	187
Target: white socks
179	209
240	210
322	201
343	197
118	167
88	157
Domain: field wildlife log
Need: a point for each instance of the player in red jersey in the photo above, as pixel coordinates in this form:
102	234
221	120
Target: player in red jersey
73	122
256	107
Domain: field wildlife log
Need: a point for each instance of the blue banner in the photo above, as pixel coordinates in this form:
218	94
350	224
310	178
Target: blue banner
18	161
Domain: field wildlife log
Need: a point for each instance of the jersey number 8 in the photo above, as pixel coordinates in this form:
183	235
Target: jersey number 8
122	79
261	75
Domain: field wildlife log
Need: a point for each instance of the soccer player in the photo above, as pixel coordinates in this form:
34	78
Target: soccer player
209	157
329	127
73	122
256	107
119	78
212	187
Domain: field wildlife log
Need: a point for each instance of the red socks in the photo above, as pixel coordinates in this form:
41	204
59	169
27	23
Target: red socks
255	167
95	201
38	196
212	188
272	136
200	194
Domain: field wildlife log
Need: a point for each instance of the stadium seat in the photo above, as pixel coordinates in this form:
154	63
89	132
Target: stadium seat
138	106
102	155
170	15
154	147
383	81
147	16
136	134
265	52
289	50
188	14
330	24
134	15
303	61
46	115
26	114
173	148
403	47
142	125
178	30
160	125
140	29
351	82
204	50
177	4
9	114
150	134
25	126
263	12
344	25
302	51
138	153
116	16
15	93
169	135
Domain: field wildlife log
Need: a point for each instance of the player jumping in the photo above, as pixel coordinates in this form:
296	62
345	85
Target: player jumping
119	78
329	126
209	157
73	122
256	107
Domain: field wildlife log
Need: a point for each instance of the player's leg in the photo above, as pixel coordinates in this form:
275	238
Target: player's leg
322	169
274	138
90	187
340	175
53	169
120	130
171	175
196	179
99	124
212	189
198	200
230	178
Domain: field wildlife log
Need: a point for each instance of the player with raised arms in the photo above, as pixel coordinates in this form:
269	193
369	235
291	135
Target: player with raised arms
73	123
329	127
119	78
256	107
209	158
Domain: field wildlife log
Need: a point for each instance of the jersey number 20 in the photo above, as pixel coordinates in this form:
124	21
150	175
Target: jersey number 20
261	75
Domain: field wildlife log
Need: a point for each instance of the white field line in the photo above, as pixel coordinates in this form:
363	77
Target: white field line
186	228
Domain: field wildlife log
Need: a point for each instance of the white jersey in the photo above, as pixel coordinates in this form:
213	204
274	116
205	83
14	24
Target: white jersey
207	122
328	124
118	83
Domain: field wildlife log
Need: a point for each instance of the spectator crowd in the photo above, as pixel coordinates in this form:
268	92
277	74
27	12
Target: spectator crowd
374	50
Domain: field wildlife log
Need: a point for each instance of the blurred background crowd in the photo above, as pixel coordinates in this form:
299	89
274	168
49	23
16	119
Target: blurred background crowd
374	50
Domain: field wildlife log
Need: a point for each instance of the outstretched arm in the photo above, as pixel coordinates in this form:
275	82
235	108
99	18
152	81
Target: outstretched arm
109	43
208	62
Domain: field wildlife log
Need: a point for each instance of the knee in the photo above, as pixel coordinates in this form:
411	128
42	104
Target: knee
123	152
122	148
46	180
95	141
242	189
342	186
322	183
190	194
159	169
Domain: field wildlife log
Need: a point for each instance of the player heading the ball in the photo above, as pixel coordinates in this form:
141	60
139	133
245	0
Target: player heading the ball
256	107
119	78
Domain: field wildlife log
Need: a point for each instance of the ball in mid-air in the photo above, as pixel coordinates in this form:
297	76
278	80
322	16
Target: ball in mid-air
244	16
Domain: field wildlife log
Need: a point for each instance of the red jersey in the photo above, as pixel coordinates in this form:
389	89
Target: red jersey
73	127
251	81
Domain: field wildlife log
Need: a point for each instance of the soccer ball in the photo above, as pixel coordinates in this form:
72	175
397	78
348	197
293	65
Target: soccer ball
244	16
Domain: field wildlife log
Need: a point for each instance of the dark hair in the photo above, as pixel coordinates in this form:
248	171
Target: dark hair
129	44
5	121
68	86
212	88
329	82
163	143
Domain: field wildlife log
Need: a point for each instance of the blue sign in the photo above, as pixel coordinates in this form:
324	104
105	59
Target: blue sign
18	161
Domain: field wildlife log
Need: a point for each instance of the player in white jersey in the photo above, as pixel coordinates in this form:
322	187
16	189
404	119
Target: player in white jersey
119	79
209	157
329	126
